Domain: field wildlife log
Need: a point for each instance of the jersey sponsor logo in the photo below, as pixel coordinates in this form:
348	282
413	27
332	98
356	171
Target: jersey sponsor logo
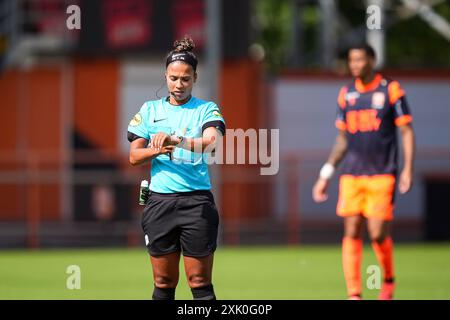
351	97
378	99
157	120
137	120
363	121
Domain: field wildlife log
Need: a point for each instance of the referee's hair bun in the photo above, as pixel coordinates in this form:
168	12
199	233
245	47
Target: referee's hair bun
184	45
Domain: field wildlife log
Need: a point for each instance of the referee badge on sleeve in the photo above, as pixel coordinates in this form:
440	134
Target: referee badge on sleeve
217	113
137	120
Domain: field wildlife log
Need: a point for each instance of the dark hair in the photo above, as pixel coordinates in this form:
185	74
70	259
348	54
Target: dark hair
182	51
363	46
184	45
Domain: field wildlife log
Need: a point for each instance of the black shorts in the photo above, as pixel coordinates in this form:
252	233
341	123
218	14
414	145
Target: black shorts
184	222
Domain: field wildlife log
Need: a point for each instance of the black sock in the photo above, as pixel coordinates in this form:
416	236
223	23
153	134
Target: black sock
204	293
389	280
163	293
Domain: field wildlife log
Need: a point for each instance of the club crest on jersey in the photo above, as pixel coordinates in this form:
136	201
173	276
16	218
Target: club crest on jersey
137	119
378	99
351	97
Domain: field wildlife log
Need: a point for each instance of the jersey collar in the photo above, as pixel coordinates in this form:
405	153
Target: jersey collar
166	100
362	88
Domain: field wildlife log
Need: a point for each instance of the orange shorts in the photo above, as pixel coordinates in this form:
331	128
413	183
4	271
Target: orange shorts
371	196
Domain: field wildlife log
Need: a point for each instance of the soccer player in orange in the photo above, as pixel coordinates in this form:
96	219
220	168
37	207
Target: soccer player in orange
370	108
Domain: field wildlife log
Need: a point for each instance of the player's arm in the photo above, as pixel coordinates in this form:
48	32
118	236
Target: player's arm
408	142
337	154
140	152
339	149
403	120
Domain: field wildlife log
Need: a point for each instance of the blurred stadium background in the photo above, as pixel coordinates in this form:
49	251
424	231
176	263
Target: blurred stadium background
67	97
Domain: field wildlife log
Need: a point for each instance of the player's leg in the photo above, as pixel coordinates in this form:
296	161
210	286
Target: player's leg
165	275
379	230
383	246
199	275
379	212
352	248
350	205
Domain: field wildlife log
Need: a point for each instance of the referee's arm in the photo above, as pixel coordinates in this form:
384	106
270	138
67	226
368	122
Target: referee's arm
211	137
140	153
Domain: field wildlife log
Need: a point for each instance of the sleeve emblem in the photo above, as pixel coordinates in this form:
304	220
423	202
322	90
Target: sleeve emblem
137	120
217	113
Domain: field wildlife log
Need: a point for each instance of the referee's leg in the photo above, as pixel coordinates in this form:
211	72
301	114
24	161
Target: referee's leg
199	276
165	275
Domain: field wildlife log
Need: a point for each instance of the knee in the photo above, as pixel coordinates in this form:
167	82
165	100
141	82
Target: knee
353	233
164	282
353	236
377	236
198	280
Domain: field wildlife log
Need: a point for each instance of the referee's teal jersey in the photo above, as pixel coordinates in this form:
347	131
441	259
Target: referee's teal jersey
186	171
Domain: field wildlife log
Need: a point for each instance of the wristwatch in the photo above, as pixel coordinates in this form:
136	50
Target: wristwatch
181	138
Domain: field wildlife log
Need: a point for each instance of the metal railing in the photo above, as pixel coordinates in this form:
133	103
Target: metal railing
112	179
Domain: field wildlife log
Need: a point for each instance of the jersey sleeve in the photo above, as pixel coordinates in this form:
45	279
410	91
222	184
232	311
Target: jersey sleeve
212	117
397	99
340	121
137	128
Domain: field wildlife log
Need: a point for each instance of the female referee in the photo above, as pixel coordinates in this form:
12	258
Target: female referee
180	217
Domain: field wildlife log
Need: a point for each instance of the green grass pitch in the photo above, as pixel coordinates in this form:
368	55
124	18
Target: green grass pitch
300	272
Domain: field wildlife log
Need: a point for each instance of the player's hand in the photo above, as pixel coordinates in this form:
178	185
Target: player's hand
405	181
319	192
159	140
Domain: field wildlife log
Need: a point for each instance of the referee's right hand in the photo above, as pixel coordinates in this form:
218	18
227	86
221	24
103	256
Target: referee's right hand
162	143
163	150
